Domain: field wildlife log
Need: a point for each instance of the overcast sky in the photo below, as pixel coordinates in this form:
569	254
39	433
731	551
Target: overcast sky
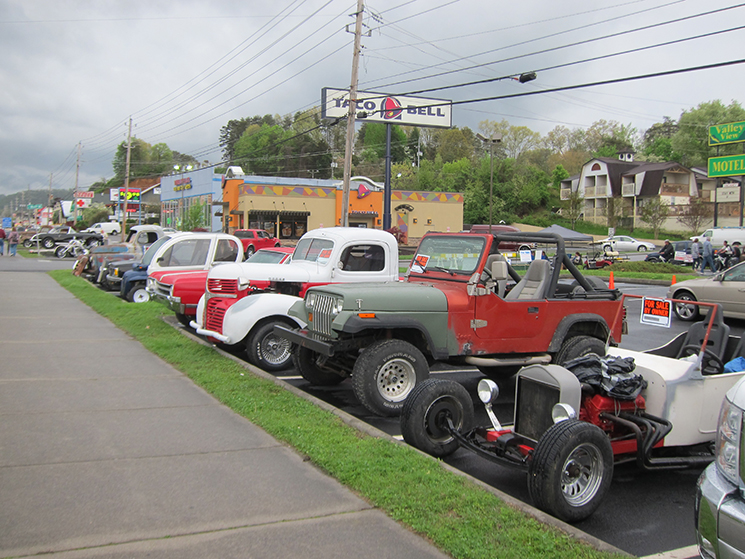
75	71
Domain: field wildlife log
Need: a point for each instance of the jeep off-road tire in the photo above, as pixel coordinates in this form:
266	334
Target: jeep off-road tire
304	361
424	413
268	351
571	470
385	374
577	346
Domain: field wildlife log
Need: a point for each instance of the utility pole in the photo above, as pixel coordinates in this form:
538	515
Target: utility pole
351	115
126	181
77	178
51	202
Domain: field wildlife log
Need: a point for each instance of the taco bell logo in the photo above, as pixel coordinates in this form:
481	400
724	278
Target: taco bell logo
392	109
362	191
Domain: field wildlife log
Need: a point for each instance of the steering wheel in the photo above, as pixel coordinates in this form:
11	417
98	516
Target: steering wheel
711	363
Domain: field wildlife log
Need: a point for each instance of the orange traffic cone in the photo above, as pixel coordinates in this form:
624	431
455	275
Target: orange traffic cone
611	283
674	281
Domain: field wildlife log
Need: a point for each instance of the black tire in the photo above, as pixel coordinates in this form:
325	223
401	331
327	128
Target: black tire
90	243
653	259
304	361
577	346
47	242
385	374
250	251
184	319
424	412
27	243
268	351
571	470
59	252
641	248
683	311
138	294
607	248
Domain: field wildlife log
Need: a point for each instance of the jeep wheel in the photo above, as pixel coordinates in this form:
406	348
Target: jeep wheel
385	374
423	417
578	346
138	294
571	470
268	351
304	361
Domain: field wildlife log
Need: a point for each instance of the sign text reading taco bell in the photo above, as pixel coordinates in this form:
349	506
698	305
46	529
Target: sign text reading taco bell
379	107
726	133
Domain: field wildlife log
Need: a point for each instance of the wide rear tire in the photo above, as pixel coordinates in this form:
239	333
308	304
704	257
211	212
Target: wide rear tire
305	362
385	373
424	414
571	470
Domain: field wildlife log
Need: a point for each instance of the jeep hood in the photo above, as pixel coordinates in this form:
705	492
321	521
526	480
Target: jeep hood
388	296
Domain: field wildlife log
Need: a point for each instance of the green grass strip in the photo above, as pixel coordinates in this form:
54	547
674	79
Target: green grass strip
455	514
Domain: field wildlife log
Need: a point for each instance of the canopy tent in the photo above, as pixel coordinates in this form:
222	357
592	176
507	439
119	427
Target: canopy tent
567	234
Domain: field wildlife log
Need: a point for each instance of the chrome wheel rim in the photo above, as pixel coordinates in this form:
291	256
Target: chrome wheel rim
581	475
395	379
685	310
275	350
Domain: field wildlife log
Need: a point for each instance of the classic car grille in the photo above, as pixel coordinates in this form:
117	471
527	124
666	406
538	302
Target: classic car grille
223	286
322	317
214	315
533	406
162	289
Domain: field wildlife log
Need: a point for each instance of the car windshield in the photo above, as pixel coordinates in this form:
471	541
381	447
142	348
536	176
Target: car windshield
313	250
458	255
267	257
150	253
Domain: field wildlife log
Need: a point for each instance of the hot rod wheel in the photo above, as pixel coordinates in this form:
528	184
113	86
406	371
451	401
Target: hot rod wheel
385	373
268	351
571	470
423	417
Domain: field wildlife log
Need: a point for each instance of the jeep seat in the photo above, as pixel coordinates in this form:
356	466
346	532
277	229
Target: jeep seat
534	282
497	276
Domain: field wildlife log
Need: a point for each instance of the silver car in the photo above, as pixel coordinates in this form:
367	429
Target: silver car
720	506
726	288
624	243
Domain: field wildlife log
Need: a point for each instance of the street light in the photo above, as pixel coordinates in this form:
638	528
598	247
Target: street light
494	139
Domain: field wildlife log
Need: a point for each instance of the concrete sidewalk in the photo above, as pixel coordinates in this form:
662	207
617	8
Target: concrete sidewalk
107	451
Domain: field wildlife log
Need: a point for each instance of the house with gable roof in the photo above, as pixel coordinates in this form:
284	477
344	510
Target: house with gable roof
605	182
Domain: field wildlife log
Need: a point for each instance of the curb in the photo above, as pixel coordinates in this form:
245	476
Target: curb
360	425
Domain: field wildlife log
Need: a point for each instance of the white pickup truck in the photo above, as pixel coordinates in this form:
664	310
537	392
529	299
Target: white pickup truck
229	316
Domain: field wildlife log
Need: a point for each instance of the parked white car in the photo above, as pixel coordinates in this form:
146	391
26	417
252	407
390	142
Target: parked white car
624	243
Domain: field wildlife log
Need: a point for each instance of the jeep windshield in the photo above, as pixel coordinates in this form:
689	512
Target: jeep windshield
313	250
450	254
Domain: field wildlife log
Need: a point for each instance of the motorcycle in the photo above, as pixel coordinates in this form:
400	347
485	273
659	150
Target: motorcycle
73	248
724	260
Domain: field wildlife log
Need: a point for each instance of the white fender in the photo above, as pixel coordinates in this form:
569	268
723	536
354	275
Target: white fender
242	317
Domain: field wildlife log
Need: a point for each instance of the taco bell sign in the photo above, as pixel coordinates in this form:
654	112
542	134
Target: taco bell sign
394	109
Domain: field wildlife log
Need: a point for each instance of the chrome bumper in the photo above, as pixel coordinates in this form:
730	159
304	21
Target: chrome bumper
720	516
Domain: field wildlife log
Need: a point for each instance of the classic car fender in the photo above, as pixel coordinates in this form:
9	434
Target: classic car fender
240	318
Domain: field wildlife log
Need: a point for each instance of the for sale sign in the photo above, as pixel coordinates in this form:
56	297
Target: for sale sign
657	312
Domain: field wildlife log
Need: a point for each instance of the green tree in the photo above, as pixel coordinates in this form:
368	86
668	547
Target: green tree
195	217
695	215
573	207
692	138
655	212
259	149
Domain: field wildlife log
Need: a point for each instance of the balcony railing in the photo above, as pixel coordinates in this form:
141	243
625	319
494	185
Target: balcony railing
589	192
672	189
628	189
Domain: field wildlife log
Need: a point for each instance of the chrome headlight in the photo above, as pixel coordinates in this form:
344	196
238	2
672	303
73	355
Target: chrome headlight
151	283
310	301
728	441
488	391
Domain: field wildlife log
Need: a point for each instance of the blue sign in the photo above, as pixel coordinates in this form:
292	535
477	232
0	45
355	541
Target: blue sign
7	223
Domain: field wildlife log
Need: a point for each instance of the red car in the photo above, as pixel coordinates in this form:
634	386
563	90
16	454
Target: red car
255	239
181	291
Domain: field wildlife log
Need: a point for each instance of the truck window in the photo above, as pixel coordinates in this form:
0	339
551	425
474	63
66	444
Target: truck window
363	258
190	252
227	251
313	250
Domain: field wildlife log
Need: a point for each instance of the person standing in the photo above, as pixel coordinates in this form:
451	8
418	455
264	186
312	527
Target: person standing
13	239
696	254
708	255
2	241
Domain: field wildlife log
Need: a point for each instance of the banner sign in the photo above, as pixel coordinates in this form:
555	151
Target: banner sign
396	109
728	193
727	133
727	166
133	196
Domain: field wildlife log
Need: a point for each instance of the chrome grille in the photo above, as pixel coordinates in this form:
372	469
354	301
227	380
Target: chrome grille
222	286
322	317
162	289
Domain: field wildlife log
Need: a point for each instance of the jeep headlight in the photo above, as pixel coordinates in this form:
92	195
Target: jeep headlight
337	306
310	301
728	441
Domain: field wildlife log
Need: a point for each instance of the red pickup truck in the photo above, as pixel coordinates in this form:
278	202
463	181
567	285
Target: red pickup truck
254	239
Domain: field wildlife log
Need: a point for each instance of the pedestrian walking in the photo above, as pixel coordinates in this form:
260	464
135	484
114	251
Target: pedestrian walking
708	256
696	254
13	239
2	241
